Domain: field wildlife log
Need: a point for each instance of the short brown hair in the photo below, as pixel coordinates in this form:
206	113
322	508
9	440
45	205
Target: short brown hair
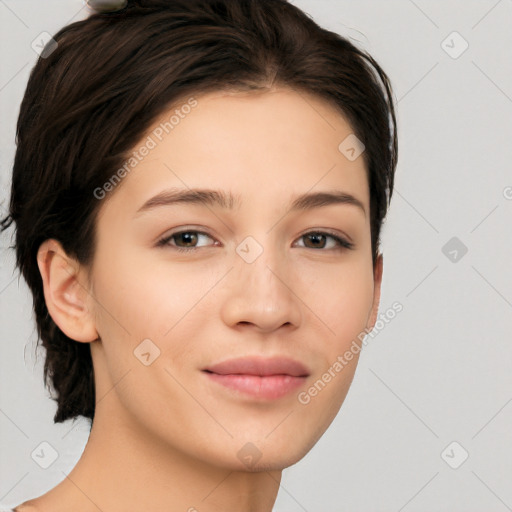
89	101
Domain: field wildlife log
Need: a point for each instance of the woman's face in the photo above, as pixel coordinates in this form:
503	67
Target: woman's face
235	271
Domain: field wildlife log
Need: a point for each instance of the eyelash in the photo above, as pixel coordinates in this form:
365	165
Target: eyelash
342	242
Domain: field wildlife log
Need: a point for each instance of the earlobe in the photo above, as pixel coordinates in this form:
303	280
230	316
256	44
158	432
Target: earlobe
377	281
65	292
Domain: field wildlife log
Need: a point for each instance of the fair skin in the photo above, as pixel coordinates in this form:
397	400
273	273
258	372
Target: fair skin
165	436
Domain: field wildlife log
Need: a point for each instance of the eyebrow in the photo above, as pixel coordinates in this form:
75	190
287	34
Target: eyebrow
228	201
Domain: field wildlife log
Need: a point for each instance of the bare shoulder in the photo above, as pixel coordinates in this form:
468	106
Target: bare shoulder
28	506
57	499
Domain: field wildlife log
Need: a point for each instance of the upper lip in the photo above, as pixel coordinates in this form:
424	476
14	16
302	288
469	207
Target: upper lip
259	366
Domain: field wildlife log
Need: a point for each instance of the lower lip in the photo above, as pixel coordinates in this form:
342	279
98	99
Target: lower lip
268	387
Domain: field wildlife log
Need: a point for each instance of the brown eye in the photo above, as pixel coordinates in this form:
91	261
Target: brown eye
187	237
184	240
319	240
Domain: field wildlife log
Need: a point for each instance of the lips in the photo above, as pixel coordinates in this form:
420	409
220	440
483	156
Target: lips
259	378
260	367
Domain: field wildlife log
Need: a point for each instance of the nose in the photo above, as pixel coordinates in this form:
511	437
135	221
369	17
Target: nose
261	294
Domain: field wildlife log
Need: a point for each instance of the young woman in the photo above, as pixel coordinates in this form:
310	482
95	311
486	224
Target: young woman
198	192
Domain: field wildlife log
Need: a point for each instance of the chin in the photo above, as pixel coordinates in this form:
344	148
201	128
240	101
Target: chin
272	456
269	464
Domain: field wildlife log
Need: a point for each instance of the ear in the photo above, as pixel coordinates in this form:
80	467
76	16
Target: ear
66	292
377	281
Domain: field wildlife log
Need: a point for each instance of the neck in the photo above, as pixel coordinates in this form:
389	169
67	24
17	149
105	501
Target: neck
123	468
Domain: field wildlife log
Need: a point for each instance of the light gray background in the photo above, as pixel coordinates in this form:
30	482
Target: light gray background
441	370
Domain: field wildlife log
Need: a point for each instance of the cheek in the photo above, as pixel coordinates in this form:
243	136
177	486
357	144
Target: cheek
350	312
340	300
341	305
160	301
344	309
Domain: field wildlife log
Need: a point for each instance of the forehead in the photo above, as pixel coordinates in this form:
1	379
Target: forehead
262	145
